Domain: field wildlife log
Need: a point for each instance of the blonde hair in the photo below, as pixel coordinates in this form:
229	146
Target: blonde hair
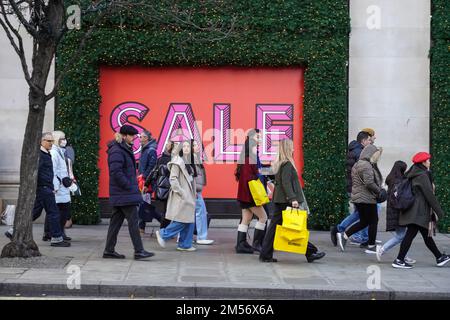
376	156
284	154
56	136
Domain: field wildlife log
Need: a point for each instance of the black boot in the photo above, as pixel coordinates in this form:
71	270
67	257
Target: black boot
242	245
258	238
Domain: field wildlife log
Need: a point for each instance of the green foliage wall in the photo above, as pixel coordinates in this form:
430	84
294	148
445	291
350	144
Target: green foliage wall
440	105
309	33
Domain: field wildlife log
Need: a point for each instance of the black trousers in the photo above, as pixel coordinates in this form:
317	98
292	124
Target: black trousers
368	216
277	219
64	215
118	215
411	233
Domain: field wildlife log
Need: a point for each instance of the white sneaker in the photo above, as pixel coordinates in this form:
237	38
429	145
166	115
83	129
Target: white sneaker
161	241
378	241
380	252
409	260
187	249
206	242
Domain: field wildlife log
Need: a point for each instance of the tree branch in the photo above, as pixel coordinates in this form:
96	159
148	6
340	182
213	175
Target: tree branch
18	48
78	53
32	31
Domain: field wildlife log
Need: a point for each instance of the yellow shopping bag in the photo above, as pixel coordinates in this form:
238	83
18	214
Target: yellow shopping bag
295	219
258	192
290	240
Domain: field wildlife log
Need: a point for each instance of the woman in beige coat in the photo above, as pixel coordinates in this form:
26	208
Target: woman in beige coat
182	196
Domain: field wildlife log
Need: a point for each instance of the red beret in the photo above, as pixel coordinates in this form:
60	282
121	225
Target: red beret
421	157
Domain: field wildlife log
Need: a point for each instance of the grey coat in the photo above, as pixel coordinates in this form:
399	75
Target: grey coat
425	200
182	195
366	181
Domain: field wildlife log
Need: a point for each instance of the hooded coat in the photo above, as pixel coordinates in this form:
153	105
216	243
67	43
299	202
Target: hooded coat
182	195
354	151
425	201
123	185
366	181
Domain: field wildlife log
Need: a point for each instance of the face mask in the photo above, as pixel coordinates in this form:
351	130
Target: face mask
63	143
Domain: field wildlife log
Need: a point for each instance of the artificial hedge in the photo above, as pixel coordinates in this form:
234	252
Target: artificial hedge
440	105
309	33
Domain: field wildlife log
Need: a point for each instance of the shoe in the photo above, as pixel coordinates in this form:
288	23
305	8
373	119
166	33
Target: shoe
354	242
160	240
333	232
380	252
143	255
440	262
66	238
398	264
46	238
8	235
113	255
315	256
191	249
378	241
60	244
371	250
206	242
242	246
409	260
341	240
268	260
364	245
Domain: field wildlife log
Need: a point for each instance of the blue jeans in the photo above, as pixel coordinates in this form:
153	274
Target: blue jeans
400	233
201	218
186	231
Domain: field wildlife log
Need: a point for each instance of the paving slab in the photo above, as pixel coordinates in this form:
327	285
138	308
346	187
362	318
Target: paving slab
217	272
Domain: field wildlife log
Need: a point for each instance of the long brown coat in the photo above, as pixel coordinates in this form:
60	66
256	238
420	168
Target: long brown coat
425	200
182	195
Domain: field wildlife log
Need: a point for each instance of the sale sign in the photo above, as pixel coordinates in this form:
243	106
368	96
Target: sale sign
214	106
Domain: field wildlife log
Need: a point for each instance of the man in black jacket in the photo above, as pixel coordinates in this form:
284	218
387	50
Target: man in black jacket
354	150
124	194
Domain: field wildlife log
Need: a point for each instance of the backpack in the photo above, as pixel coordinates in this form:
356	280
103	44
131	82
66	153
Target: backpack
402	195
162	184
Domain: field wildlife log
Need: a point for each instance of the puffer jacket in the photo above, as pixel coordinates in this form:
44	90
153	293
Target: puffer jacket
60	171
425	201
366	181
123	185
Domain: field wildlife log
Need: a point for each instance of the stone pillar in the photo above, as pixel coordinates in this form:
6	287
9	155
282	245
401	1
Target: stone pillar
389	76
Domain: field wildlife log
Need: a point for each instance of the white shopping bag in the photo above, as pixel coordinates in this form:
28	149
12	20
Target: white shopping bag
8	215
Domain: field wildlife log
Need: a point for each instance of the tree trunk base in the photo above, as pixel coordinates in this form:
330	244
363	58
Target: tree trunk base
22	250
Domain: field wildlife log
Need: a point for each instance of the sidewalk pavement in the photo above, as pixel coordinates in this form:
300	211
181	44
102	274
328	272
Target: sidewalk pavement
217	272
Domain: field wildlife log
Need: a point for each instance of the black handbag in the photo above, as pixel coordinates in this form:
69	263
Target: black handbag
163	183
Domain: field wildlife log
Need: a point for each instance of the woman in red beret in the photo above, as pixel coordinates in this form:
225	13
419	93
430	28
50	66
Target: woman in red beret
423	214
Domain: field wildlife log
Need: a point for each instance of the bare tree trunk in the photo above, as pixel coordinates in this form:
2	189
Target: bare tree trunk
22	244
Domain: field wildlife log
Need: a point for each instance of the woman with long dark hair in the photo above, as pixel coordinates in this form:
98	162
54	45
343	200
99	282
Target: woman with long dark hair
247	170
396	175
181	202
